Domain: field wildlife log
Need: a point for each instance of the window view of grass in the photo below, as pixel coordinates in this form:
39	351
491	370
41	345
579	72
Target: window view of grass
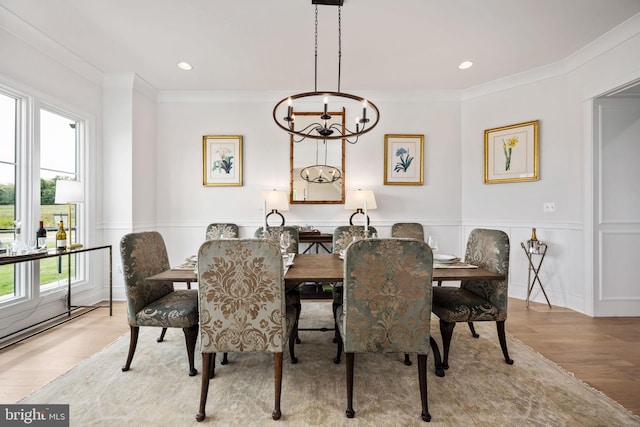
50	267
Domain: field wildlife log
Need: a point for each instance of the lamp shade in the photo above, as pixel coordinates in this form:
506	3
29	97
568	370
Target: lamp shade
69	192
276	199
355	199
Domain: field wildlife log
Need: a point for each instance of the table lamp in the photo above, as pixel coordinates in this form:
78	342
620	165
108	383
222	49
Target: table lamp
361	201
275	201
69	192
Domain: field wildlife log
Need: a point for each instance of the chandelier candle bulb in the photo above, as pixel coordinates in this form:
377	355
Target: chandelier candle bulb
289	107
366	223
264	209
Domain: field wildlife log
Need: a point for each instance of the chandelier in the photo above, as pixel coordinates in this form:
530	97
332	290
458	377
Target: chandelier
321	128
320	173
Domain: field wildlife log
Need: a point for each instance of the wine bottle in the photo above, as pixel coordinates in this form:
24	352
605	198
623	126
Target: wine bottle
533	242
61	238
41	235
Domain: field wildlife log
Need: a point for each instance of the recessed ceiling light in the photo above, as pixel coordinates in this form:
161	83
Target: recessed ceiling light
465	64
184	66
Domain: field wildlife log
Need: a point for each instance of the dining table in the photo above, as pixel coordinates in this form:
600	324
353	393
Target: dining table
330	268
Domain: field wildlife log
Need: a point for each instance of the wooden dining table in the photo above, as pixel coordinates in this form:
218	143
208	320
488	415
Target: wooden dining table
330	268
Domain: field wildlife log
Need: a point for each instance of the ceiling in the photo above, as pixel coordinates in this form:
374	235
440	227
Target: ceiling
269	44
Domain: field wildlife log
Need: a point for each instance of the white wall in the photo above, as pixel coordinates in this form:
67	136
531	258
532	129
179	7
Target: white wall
560	96
185	206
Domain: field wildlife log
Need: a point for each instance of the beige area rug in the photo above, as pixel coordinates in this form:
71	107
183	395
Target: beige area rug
479	389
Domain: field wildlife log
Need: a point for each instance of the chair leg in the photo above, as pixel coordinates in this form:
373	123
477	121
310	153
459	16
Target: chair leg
225	359
350	412
292	353
437	360
298	307
133	342
473	330
277	371
503	341
336	359
204	387
161	337
407	359
422	378
446	331
336	335
212	366
190	337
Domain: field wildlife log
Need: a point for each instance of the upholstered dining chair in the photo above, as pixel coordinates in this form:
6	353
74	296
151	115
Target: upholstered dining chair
344	235
242	306
387	305
273	233
156	304
408	230
477	300
222	230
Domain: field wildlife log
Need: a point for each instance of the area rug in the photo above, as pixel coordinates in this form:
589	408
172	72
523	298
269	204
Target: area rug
479	389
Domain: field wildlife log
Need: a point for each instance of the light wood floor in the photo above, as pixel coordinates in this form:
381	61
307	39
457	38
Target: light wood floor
604	352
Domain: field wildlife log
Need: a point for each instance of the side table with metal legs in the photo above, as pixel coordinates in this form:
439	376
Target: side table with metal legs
538	249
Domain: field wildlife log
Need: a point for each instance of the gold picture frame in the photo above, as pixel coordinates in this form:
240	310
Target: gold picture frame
511	153
403	159
221	160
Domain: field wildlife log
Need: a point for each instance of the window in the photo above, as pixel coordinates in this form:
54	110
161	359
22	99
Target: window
30	164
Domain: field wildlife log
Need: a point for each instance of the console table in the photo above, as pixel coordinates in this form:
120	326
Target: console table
533	249
52	253
316	240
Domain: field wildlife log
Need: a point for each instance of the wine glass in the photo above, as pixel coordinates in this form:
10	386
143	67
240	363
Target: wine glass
433	243
285	242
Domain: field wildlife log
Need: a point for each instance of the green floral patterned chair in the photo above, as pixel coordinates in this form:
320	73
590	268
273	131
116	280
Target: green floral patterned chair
156	304
242	306
408	230
477	300
273	234
342	236
387	305
219	230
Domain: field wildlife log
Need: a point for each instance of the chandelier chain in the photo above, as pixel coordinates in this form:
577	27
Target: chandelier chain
339	44
316	52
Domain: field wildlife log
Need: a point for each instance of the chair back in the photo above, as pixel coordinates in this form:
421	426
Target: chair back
220	230
343	235
408	230
143	254
489	249
387	296
241	296
274	232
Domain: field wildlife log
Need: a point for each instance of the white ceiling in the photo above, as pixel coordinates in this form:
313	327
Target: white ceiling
269	44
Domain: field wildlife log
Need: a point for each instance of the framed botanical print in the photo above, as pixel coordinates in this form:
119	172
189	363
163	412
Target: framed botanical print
511	153
221	160
403	159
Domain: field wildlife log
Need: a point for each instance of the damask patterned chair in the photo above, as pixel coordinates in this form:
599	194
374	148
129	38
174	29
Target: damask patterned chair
242	306
387	305
342	236
408	230
157	304
218	230
477	300
273	234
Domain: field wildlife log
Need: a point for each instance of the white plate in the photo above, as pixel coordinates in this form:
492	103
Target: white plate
444	258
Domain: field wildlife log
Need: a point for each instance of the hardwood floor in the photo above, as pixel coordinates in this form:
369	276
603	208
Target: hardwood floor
604	352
